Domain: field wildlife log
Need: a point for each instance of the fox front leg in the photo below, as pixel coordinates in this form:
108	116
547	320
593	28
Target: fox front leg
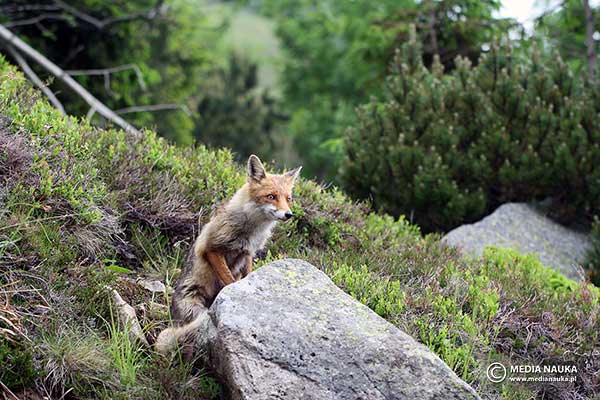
248	268
219	265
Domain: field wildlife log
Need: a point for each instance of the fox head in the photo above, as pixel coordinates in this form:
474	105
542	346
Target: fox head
272	193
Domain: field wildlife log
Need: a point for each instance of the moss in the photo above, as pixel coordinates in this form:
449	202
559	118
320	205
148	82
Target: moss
17	370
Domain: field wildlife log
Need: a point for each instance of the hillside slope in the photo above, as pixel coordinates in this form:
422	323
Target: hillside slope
82	209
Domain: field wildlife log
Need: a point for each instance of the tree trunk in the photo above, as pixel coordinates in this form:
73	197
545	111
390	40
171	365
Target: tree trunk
589	39
432	33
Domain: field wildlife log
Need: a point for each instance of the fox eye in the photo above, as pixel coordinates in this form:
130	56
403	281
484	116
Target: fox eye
271	196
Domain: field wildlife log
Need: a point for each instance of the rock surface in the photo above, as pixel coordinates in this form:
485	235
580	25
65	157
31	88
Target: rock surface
524	228
287	332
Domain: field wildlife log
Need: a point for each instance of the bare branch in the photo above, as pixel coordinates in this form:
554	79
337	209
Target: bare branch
107	71
35	79
90	113
37	19
103	23
155	107
27	50
148	108
17	8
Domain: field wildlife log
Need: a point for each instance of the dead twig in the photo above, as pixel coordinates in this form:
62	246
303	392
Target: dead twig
128	317
155	107
106	73
37	19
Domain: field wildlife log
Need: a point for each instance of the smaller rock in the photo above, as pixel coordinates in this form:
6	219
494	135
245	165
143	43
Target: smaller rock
152	286
523	227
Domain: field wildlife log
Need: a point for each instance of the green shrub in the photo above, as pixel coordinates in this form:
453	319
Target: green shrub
447	149
593	257
17	371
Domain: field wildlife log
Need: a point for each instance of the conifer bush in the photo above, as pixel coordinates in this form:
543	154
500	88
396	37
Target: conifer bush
446	149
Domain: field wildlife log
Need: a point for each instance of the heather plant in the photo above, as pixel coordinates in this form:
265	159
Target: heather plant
449	148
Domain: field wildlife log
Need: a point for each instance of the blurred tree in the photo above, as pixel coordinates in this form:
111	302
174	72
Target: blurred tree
235	113
589	39
337	52
571	27
450	28
447	149
141	52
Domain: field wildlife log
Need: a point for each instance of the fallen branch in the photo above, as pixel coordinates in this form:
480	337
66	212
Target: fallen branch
35	79
11	39
148	108
106	72
155	107
127	317
8	391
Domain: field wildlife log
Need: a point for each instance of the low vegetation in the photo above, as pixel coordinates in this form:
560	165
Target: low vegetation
593	258
84	209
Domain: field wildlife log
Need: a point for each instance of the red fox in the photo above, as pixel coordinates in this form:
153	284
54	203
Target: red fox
223	252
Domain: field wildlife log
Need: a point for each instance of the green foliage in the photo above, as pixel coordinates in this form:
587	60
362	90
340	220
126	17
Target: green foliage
447	149
135	204
335	54
17	370
593	257
383	296
564	29
125	352
234	113
171	45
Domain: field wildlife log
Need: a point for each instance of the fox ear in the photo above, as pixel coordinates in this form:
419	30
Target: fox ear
293	174
256	171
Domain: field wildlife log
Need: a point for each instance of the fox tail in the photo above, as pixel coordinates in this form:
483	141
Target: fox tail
184	337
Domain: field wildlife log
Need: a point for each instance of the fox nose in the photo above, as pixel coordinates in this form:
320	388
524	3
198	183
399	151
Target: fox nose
288	215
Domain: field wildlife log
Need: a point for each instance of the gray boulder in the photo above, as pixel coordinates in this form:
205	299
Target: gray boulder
523	227
287	332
